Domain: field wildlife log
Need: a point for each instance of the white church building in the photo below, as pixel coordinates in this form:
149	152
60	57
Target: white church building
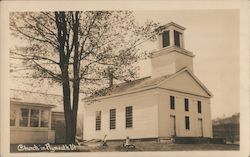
172	102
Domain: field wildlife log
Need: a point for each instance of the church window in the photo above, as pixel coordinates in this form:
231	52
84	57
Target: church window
199	106
172	102
129	116
112	114
165	39
187	123
177	38
98	120
186	104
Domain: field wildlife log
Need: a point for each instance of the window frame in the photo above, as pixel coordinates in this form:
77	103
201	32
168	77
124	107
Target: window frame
34	118
129	117
177	38
29	118
187	122
165	38
186	104
98	120
172	102
13	117
112	119
41	118
199	107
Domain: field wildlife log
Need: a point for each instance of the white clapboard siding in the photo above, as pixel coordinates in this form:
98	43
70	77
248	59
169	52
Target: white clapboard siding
144	117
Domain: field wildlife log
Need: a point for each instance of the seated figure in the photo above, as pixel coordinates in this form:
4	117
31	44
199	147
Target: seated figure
127	144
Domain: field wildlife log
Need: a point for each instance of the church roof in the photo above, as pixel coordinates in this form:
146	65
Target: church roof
173	24
171	49
140	84
133	85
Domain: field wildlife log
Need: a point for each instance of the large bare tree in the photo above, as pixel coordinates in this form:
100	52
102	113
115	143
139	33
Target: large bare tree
75	49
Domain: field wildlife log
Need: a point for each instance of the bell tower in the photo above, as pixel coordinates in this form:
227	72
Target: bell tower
171	55
171	34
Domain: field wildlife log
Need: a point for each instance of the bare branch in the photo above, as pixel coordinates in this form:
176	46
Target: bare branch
87	34
33	57
33	37
48	15
50	32
52	74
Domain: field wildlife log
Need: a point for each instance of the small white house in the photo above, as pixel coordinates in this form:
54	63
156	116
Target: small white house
31	117
171	103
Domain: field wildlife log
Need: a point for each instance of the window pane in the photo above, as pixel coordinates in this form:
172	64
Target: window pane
24	117
34	118
44	118
172	102
187	123
98	120
129	117
199	106
177	38
186	105
13	113
165	39
112	119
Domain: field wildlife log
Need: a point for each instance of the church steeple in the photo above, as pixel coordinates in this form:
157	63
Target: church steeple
171	56
171	34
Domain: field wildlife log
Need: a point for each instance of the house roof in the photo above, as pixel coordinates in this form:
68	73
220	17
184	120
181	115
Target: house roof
30	98
18	102
141	84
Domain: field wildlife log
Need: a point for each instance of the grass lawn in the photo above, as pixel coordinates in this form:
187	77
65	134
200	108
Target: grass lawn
156	146
145	146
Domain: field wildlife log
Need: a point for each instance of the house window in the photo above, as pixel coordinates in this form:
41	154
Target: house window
199	106
186	104
165	39
177	37
24	117
187	123
34	118
44	118
172	102
98	120
129	117
112	116
13	117
31	117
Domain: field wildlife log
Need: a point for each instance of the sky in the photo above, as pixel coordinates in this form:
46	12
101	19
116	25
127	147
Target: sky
213	36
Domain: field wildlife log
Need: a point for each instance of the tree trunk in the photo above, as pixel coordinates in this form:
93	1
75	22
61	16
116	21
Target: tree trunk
75	108
62	33
67	110
76	81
